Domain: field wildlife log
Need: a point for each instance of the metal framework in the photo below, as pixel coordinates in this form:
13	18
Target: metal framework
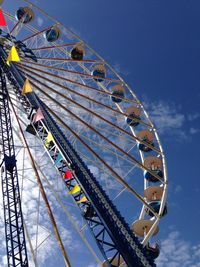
83	105
112	234
14	228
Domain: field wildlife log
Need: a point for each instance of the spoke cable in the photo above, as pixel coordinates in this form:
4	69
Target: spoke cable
116	176
56	231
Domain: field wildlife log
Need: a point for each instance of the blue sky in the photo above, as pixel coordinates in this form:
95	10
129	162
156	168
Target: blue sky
154	45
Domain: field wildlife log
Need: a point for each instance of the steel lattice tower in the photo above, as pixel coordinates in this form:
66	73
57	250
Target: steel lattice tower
14	228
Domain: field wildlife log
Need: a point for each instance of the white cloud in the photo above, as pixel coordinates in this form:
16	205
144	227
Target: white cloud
176	252
93	265
40	21
194	130
169	119
166	117
194	116
32	206
178	189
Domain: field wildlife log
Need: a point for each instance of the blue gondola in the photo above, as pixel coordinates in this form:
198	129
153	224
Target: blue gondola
26	13
117	96
151	178
133	114
117	93
131	120
52	34
147	137
77	53
143	147
156	206
152	252
99	72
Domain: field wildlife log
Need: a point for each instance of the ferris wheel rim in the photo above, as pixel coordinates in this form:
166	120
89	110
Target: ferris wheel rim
90	49
134	95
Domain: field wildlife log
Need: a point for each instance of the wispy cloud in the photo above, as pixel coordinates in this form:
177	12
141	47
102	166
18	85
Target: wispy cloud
33	207
178	188
40	21
178	252
167	117
193	116
171	120
93	265
194	130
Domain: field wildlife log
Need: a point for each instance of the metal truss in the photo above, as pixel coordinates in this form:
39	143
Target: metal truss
14	228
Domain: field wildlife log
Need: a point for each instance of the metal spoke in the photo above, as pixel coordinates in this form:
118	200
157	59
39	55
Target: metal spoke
52	47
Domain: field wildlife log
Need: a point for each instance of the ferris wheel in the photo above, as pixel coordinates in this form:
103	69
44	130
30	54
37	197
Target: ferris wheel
76	123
